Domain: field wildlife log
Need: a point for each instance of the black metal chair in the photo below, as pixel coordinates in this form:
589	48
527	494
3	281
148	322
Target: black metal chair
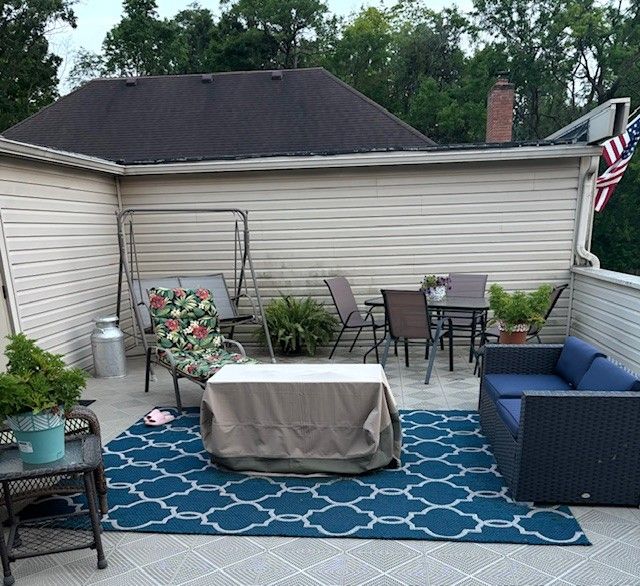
407	317
349	314
467	325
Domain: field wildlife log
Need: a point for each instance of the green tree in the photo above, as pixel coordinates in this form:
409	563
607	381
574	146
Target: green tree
362	55
615	233
198	40
141	43
293	25
534	37
28	69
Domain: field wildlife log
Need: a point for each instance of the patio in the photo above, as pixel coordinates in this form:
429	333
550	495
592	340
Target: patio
136	558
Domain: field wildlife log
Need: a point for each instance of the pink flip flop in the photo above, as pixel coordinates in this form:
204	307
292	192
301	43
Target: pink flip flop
157	417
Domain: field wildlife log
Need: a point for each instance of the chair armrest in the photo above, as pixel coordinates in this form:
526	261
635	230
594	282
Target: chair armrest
521	358
167	352
238	345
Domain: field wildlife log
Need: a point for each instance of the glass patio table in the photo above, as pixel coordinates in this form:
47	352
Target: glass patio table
475	306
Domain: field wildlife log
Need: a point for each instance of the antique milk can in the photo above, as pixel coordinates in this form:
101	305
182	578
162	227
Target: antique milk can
107	344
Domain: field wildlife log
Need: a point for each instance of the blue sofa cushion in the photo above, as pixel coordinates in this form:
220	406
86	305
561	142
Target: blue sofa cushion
509	411
603	375
512	385
575	359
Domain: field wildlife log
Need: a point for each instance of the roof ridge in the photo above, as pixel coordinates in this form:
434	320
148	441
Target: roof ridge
375	104
176	75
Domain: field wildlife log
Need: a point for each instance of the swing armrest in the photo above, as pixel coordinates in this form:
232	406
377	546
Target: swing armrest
236	298
167	352
238	345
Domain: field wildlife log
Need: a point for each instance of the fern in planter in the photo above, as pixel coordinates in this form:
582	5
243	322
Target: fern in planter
36	380
518	309
297	325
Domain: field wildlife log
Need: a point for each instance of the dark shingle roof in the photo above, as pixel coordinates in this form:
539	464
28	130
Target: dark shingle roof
238	115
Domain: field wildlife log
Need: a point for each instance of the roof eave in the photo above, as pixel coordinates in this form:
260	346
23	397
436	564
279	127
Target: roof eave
371	159
367	159
34	152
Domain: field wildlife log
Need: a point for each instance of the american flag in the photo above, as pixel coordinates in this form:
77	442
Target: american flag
617	154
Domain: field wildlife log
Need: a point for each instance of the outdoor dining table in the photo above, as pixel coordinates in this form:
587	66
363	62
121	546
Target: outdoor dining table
476	306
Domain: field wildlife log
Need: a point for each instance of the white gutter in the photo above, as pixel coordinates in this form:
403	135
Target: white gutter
47	155
368	159
387	158
585	213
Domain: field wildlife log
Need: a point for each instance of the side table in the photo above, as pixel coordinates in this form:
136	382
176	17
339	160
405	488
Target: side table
31	537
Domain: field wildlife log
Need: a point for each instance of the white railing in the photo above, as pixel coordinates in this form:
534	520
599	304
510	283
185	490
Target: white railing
605	310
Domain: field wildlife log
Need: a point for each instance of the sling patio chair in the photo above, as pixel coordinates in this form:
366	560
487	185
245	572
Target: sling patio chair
467	325
408	318
349	314
188	339
492	334
226	304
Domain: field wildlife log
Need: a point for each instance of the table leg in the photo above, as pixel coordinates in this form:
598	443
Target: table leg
92	501
432	356
4	554
472	342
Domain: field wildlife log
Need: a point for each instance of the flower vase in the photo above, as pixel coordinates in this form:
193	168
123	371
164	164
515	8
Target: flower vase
436	293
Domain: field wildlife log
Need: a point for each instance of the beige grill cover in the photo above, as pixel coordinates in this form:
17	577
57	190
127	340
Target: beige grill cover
301	418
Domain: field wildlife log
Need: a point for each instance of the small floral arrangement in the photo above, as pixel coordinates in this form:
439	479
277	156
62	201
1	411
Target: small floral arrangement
435	286
434	281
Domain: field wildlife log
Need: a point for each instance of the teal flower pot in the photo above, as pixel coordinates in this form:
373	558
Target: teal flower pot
40	436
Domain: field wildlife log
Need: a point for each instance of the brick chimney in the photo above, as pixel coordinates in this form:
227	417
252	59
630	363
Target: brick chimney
500	110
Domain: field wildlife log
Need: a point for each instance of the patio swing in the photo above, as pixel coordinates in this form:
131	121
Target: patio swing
227	304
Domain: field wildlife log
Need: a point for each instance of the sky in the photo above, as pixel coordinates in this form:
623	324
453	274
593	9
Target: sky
96	17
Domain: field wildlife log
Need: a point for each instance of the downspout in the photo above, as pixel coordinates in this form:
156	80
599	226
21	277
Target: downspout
585	214
118	192
583	229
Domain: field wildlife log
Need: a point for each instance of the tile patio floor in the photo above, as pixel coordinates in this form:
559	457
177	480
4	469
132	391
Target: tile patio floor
137	559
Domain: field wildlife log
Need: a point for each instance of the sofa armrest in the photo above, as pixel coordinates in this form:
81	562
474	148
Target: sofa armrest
521	358
580	446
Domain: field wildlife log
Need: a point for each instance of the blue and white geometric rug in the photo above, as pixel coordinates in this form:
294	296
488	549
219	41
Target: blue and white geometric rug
448	488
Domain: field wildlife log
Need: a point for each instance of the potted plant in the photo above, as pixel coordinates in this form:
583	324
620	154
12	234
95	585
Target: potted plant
435	286
297	325
516	312
35	391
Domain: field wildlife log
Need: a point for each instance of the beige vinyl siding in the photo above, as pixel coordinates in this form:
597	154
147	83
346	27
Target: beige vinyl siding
380	226
605	311
61	244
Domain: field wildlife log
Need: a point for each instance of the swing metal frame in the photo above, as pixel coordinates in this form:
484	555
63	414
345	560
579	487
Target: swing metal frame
129	263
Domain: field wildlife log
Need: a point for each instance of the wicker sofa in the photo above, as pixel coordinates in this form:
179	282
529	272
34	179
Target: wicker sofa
563	422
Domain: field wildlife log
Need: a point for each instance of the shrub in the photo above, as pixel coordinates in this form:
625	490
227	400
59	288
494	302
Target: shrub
37	380
297	325
512	309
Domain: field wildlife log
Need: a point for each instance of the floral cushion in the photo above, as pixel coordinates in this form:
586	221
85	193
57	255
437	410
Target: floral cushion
203	365
185	322
184	319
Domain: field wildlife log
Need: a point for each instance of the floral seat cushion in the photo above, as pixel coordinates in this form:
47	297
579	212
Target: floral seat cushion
186	325
203	365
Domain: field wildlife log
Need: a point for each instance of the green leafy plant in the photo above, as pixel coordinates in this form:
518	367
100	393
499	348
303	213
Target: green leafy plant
518	308
297	325
37	380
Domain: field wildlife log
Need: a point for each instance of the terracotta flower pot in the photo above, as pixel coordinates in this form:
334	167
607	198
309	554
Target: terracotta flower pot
513	337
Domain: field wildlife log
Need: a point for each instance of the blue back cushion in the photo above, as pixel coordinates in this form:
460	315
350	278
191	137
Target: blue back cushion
603	375
575	359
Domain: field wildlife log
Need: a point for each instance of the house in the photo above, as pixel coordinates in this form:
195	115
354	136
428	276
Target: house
333	184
